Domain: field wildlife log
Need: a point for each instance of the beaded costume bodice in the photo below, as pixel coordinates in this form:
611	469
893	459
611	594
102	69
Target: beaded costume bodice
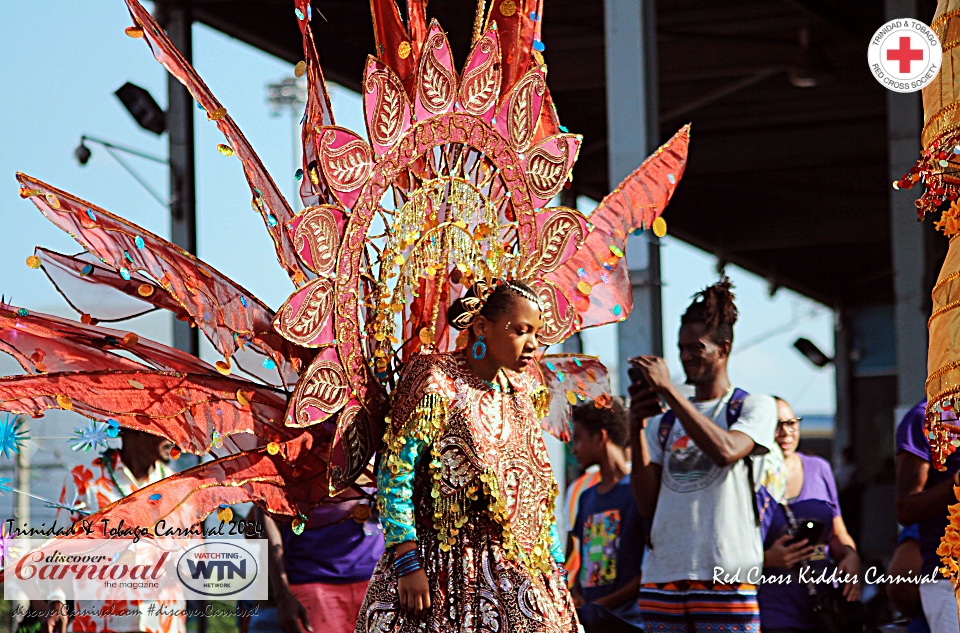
486	450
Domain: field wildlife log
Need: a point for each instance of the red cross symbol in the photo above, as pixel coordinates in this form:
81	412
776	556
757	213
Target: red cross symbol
905	54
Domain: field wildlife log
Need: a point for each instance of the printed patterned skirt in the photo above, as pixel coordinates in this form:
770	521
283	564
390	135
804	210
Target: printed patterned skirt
474	588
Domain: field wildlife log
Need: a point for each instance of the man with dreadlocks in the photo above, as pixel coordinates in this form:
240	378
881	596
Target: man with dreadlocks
693	467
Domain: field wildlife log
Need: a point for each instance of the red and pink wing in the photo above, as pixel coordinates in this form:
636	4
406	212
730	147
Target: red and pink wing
190	410
596	280
571	379
230	316
267	197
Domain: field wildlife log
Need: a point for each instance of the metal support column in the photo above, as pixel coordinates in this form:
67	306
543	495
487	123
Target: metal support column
632	130
176	18
904	122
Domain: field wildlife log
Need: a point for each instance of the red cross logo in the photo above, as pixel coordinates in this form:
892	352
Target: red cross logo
905	55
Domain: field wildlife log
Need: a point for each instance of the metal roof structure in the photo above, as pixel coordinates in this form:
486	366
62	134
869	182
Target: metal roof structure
788	182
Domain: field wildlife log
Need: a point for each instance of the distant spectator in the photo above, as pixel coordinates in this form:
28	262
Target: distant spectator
923	495
589	479
694	474
607	526
142	460
905	596
810	500
319	578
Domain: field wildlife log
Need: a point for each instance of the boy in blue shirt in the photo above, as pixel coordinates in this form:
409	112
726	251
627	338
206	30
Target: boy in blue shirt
608	526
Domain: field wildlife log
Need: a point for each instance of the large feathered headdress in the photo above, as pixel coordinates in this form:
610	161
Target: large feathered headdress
452	186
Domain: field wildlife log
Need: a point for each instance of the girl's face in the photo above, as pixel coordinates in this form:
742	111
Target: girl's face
788	429
511	338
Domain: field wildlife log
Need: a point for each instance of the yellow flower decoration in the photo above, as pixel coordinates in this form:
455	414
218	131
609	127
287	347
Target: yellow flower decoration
950	220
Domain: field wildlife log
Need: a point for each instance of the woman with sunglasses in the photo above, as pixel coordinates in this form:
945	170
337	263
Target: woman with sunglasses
803	533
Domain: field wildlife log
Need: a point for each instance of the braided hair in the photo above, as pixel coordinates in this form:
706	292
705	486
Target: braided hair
713	307
493	305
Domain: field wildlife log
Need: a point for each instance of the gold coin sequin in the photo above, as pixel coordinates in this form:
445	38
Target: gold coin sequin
136	384
33	262
660	227
217	114
404	50
64	402
242	398
361	513
133	31
225	515
584	287
145	290
426	336
225	149
273	448
223	368
131	339
53	200
508	8
300	69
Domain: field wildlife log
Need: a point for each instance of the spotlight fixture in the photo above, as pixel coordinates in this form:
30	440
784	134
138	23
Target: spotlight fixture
82	152
811	352
142	106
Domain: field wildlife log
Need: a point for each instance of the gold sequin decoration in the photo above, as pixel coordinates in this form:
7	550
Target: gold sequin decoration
660	227
33	262
223	367
145	290
273	448
217	114
508	8
133	31
300	69
225	149
64	402
404	50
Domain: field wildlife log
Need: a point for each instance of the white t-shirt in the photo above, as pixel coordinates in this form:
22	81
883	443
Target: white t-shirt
704	517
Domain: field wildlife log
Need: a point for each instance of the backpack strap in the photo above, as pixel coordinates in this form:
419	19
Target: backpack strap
734	409
663	431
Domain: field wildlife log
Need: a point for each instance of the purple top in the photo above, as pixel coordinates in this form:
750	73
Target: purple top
338	554
787	605
911	438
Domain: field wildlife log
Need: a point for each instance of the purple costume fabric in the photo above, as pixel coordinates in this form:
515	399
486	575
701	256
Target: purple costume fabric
911	439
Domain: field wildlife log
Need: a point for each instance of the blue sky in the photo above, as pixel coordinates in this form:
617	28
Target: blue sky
64	60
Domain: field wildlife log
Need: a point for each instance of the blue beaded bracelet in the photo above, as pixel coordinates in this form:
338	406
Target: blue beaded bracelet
407	563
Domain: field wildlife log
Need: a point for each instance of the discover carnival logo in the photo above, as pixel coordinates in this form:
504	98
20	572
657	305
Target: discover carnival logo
904	55
128	569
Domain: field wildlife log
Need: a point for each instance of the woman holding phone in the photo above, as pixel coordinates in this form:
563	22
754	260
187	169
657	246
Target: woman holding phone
805	531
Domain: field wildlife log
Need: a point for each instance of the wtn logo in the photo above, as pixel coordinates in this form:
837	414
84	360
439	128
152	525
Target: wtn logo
223	568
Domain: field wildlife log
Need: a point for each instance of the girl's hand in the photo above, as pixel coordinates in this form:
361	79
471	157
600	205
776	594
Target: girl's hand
784	556
414	590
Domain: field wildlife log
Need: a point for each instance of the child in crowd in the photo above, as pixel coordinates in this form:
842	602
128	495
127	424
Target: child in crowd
607	526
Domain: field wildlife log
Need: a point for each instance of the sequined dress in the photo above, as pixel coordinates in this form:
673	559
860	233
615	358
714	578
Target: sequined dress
465	472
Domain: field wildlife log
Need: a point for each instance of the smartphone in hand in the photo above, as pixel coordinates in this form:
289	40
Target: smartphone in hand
636	375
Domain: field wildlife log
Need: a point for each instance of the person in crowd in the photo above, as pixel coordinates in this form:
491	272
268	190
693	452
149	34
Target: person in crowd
922	496
607	526
810	502
587	480
319	577
141	460
693	466
905	596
